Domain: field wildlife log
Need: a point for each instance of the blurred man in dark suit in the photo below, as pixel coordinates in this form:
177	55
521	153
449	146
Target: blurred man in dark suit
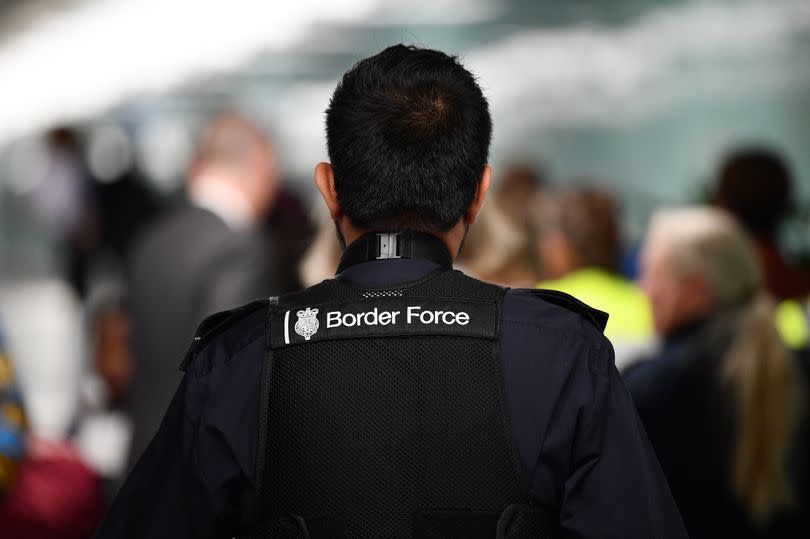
207	255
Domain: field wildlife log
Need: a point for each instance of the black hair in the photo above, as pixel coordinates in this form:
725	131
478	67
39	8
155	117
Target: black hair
755	185
408	133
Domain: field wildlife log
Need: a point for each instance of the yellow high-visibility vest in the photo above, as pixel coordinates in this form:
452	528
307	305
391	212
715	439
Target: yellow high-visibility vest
630	316
792	320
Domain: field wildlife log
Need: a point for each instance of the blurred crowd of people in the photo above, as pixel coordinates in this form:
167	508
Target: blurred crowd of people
710	333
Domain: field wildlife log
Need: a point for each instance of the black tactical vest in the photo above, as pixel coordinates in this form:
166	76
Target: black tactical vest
384	410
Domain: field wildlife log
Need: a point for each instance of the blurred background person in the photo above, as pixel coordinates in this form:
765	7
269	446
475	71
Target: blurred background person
722	400
322	256
291	231
123	201
93	201
12	422
499	248
793	322
63	200
46	490
578	245
755	185
495	250
506	227
516	191
102	431
207	255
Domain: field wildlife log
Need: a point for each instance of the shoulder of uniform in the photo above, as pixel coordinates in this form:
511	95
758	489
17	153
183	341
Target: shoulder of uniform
216	324
568	302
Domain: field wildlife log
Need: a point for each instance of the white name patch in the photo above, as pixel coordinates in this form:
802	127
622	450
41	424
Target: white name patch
415	314
383	317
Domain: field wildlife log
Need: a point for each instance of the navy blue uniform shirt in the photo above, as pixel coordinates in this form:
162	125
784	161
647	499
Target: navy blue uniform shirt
583	449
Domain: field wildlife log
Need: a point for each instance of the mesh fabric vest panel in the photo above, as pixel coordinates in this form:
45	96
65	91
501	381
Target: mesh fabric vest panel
368	437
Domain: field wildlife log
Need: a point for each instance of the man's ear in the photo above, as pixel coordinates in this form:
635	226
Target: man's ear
325	182
700	293
471	214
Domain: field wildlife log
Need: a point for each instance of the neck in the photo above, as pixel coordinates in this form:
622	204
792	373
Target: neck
224	199
402	244
452	238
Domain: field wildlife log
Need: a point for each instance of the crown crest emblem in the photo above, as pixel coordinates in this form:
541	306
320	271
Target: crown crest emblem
307	324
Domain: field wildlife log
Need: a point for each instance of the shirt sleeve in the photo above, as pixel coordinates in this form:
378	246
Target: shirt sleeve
616	488
165	495
195	479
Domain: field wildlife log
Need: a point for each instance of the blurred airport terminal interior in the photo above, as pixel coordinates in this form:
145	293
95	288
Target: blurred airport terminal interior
143	141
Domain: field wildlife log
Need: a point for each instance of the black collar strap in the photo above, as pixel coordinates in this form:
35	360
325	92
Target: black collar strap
388	245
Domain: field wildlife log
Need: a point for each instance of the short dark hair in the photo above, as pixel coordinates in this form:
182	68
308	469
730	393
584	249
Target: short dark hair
755	185
408	133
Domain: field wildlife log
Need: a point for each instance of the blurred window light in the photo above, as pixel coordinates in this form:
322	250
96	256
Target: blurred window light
27	165
163	150
43	316
439	12
109	153
88	57
595	73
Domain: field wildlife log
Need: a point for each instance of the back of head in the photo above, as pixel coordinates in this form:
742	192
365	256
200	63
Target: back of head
228	141
233	151
708	242
754	184
408	133
587	218
756	366
63	137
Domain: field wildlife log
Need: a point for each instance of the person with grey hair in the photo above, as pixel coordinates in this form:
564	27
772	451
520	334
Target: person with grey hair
721	400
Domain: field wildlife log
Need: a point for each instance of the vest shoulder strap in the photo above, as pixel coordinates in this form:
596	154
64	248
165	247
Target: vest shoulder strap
215	324
596	317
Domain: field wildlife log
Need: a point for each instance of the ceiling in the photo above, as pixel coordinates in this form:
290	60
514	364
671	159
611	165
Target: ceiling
642	93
